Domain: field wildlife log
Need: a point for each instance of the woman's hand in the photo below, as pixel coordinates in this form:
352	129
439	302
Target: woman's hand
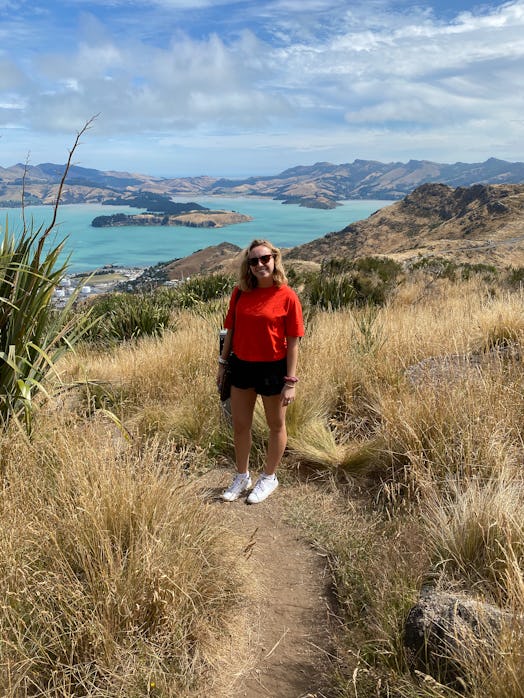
288	394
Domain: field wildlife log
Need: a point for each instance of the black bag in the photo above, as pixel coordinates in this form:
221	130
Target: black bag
225	385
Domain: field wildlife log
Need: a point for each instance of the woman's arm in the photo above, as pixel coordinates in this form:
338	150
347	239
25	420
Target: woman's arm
288	391
292	355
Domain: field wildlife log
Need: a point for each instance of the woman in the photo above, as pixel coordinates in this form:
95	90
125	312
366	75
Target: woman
264	323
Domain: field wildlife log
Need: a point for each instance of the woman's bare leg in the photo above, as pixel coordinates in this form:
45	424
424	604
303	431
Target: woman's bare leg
276	421
242	408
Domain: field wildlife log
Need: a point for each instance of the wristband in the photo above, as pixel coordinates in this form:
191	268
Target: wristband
221	361
291	379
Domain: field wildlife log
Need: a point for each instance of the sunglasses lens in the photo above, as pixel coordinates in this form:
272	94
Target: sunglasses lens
263	258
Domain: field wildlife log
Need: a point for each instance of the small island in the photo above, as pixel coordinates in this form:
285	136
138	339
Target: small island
324	202
161	210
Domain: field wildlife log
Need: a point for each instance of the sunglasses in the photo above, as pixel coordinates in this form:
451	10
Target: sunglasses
264	258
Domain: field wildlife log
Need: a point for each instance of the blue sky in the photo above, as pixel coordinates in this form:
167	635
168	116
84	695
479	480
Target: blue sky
209	87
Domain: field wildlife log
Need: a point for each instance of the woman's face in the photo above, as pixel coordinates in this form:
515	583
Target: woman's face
262	264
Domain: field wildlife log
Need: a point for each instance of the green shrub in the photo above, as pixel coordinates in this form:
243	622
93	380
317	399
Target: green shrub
199	289
344	282
127	316
436	266
488	271
447	269
337	265
331	293
370	289
297	277
385	268
515	277
124	316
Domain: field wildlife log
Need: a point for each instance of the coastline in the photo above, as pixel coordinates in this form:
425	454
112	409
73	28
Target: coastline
90	249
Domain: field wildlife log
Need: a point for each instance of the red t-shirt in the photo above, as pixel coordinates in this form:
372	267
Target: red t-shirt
263	318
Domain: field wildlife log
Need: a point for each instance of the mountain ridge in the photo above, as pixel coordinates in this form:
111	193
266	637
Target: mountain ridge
321	185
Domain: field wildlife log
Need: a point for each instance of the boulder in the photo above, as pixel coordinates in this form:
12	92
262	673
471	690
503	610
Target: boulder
444	633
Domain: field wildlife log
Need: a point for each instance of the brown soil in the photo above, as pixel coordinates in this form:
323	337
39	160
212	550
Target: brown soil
288	603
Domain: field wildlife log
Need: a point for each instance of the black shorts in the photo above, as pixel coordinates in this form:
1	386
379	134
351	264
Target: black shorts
266	377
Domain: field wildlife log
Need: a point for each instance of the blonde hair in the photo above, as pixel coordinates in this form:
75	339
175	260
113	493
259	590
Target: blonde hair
247	280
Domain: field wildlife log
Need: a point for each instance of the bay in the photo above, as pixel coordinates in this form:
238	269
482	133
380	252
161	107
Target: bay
90	248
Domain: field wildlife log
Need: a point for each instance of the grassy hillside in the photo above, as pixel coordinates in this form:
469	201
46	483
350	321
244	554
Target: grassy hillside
406	439
482	223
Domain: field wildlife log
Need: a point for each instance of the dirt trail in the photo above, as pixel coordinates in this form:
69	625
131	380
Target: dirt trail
290	611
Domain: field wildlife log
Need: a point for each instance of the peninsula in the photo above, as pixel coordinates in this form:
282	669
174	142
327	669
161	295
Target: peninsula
161	210
205	218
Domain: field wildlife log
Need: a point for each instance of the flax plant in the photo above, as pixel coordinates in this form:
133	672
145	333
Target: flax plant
33	334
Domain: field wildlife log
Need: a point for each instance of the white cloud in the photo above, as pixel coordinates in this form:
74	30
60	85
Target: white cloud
287	76
134	85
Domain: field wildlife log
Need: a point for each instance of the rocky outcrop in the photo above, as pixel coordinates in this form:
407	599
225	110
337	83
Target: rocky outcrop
445	633
449	368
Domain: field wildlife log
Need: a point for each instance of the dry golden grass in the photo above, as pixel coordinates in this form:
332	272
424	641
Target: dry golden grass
443	446
433	454
160	385
114	577
476	532
499	323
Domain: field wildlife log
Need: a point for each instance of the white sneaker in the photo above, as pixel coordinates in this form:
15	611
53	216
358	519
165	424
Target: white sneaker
262	489
241	483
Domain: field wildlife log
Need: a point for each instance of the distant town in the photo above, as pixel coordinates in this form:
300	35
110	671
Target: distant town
104	280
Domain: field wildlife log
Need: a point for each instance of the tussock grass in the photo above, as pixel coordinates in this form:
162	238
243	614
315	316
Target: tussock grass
114	577
499	323
316	445
377	568
161	384
476	532
465	426
442	486
409	419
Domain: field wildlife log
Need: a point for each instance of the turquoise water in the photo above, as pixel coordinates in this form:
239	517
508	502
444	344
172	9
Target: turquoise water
90	248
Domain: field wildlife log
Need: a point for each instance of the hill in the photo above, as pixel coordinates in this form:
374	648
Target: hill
479	224
320	185
483	223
